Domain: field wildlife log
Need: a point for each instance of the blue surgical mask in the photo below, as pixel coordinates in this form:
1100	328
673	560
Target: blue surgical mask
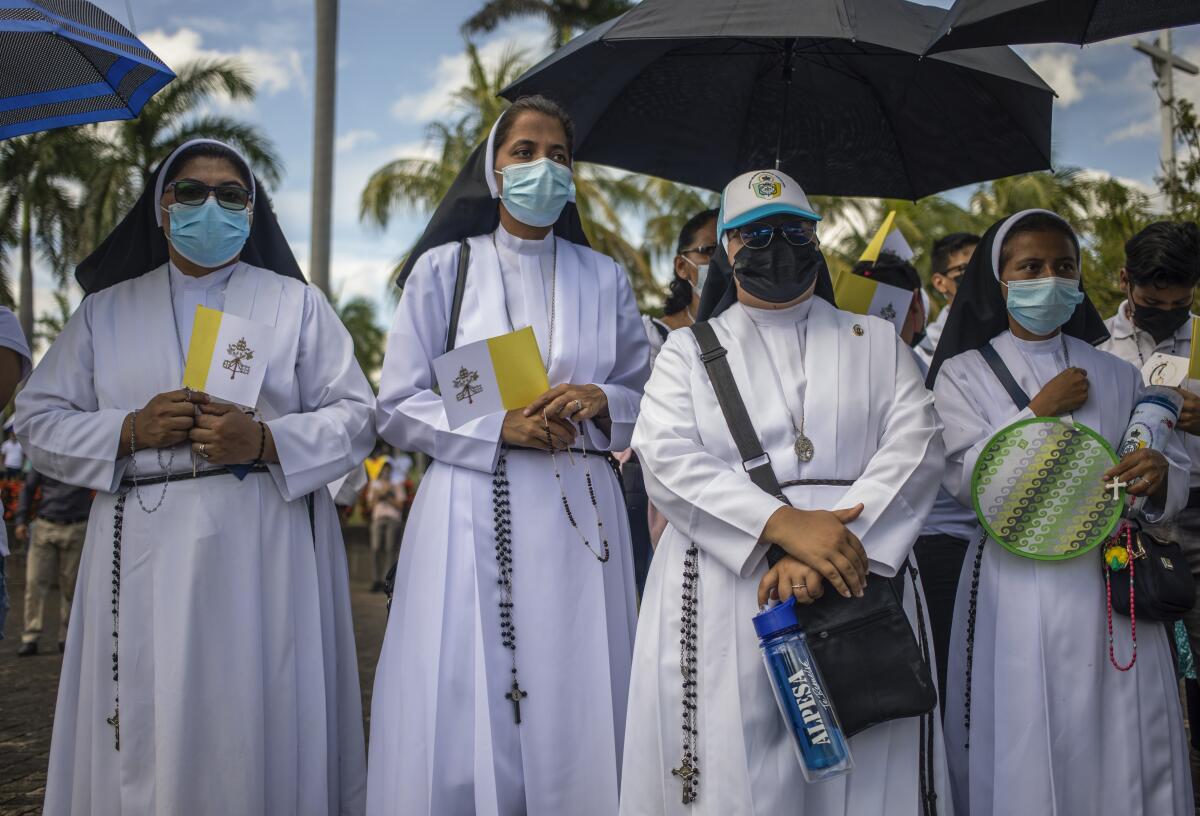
535	192
1042	305
701	274
208	235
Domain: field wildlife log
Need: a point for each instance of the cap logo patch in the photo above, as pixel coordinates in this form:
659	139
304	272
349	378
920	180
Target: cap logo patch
767	186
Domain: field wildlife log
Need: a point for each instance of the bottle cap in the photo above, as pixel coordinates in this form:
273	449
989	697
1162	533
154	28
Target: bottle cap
776	619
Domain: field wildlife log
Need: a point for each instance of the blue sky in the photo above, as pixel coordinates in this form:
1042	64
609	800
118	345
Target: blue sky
399	61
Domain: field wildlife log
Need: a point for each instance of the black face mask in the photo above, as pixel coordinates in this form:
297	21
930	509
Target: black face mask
1161	323
917	338
779	273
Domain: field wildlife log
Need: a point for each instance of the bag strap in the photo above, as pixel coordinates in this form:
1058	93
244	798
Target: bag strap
460	286
992	358
755	461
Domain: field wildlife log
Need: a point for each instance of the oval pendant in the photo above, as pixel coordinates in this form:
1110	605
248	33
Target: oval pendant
804	448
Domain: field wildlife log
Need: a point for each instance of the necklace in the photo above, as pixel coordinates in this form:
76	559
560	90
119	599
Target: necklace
604	553
803	446
553	296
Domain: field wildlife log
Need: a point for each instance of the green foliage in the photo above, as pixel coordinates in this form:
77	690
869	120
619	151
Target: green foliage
1183	189
370	341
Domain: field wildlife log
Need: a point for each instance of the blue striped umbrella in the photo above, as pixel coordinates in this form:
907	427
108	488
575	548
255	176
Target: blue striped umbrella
66	62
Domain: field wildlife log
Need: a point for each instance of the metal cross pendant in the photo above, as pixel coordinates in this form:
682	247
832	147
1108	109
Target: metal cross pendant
516	695
686	774
115	722
1115	486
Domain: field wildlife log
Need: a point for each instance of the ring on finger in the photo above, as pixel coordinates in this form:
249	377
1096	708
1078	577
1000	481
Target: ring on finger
203	450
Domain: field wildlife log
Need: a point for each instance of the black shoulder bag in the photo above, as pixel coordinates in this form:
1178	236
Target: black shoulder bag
865	647
460	286
1163	587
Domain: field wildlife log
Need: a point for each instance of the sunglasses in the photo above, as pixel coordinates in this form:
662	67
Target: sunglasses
195	193
955	273
706	250
798	232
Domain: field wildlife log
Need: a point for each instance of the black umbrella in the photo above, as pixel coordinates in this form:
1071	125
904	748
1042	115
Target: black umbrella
699	91
975	23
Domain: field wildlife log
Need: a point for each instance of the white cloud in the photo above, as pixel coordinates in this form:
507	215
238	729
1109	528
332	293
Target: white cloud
273	71
1135	130
351	139
453	71
1059	68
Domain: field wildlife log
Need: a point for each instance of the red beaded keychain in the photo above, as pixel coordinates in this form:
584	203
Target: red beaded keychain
1112	561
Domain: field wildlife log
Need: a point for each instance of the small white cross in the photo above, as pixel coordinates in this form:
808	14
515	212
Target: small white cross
1115	486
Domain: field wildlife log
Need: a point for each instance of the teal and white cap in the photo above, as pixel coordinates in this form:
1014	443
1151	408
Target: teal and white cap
759	194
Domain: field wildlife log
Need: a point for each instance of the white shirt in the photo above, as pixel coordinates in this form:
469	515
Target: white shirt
13	457
1136	346
528	271
187	293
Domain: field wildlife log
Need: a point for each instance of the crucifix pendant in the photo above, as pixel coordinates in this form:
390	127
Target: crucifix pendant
115	722
686	774
1115	486
515	695
804	447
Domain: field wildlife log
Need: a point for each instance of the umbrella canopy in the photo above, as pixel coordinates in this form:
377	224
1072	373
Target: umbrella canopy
700	91
66	62
975	23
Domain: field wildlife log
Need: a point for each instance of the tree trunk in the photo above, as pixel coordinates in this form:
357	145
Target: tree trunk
324	114
26	301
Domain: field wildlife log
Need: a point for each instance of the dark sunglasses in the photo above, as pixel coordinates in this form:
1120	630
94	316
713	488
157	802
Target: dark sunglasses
955	273
707	250
798	232
195	193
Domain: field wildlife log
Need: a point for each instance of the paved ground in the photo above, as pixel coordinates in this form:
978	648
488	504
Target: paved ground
28	686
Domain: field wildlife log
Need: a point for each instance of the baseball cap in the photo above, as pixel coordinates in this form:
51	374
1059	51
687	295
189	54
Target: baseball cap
758	194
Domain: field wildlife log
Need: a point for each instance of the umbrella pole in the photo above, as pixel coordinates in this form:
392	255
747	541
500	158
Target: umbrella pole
789	54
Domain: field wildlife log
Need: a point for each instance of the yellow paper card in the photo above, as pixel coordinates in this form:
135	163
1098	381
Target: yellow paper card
520	373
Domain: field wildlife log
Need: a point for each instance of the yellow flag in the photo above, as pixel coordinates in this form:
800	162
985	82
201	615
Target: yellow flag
1194	356
871	253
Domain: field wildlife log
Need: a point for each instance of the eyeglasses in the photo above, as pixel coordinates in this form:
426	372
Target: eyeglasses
955	273
798	232
195	193
707	250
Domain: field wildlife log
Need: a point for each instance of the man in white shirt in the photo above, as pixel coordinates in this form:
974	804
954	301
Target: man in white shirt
1162	268
14	457
947	263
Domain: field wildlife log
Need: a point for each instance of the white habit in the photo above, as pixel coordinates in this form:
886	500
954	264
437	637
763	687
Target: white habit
238	676
1054	728
871	420
443	736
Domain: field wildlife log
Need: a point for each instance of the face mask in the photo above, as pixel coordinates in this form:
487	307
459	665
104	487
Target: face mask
701	274
1042	305
208	235
1160	323
535	192
779	273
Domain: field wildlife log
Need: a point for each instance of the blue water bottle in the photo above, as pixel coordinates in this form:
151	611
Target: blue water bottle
817	737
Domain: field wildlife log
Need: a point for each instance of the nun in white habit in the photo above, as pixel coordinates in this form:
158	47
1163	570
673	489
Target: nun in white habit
501	688
1038	720
210	663
847	385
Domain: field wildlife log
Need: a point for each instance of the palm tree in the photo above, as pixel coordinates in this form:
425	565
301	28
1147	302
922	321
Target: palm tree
134	147
565	17
51	324
39	178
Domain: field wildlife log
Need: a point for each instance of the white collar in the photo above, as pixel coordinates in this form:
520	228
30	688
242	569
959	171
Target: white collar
524	246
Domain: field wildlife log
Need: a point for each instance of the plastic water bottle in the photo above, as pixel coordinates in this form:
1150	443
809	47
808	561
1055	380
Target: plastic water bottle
1151	425
817	737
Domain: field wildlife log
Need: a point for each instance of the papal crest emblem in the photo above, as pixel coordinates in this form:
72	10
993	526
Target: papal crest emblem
766	185
888	312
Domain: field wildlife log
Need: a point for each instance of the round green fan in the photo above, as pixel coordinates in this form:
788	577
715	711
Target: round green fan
1038	489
